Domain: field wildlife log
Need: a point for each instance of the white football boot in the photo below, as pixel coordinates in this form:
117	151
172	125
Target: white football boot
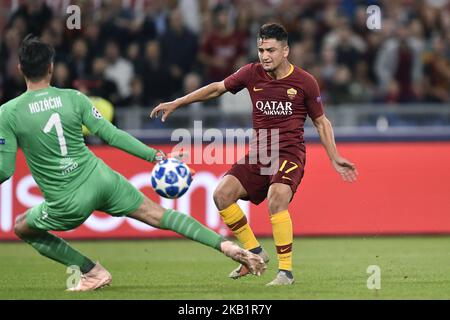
242	270
96	278
253	262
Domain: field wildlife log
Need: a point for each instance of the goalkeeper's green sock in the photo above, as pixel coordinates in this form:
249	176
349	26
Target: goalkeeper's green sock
190	228
57	249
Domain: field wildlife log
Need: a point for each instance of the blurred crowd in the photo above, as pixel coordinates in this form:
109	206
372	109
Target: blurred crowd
141	52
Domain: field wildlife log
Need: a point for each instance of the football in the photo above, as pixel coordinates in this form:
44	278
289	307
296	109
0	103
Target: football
171	178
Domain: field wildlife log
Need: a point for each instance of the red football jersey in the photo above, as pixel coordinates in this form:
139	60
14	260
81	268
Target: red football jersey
281	104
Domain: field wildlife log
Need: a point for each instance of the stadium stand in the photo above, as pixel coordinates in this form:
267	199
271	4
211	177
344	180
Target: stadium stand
391	82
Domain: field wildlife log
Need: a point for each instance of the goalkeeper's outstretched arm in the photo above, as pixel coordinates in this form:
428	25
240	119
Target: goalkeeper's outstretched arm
7	165
105	130
8	146
126	142
212	90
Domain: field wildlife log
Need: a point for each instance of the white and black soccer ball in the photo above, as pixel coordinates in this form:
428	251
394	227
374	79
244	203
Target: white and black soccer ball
171	178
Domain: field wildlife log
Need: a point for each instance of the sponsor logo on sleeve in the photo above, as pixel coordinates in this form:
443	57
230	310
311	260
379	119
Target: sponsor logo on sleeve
96	113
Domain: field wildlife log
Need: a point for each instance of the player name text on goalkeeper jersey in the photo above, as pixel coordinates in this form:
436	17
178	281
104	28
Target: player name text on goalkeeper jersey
45	104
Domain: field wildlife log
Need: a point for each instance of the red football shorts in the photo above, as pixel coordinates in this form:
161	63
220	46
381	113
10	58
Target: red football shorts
290	170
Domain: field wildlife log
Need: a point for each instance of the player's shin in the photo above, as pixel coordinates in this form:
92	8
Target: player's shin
60	251
235	219
190	228
283	237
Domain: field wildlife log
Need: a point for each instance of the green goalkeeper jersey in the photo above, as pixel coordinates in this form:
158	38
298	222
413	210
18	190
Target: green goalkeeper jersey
47	125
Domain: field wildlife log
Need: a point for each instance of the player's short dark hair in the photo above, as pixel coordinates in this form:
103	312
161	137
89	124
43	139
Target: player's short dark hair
35	58
273	31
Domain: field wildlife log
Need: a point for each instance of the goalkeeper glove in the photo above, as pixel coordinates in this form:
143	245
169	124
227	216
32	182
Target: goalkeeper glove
160	155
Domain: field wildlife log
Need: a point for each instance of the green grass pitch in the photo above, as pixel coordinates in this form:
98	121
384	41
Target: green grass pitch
325	268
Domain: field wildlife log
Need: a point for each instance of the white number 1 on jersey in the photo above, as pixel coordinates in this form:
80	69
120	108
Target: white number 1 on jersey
55	120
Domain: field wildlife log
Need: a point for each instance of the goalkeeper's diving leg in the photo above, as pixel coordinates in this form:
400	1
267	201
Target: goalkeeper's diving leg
94	276
153	214
50	246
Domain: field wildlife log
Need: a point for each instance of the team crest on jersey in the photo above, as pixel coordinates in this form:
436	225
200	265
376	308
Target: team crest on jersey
96	113
2	141
291	93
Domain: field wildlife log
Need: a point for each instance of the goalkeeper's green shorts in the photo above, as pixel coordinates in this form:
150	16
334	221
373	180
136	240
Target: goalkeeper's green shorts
105	190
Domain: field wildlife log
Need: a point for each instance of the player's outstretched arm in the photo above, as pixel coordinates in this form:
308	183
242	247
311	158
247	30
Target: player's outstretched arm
7	165
344	167
115	137
212	90
124	141
8	144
